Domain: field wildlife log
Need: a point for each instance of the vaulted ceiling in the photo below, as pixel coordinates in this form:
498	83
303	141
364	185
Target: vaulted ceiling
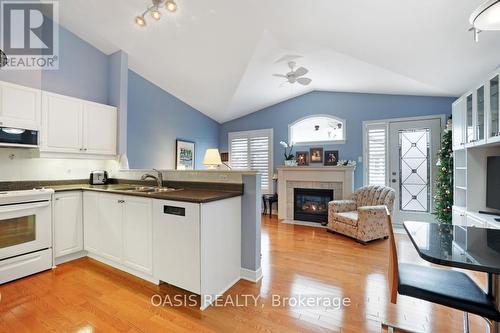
219	55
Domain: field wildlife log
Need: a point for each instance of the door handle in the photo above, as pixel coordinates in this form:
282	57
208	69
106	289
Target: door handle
394	180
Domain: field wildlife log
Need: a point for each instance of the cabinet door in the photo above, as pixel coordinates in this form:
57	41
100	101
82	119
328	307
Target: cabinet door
100	129
61	124
91	220
138	234
493	109
458	124
110	228
68	224
19	106
176	244
479	115
469	119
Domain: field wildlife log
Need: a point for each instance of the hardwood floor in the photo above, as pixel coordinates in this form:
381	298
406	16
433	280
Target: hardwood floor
87	296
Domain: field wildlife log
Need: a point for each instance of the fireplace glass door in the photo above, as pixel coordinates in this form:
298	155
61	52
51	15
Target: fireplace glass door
312	204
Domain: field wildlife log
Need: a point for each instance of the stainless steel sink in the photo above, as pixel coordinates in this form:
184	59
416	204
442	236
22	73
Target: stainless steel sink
147	189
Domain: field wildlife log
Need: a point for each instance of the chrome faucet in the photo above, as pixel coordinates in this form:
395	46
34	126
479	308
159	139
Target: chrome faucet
158	178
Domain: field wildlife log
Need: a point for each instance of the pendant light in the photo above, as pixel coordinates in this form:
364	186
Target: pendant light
485	17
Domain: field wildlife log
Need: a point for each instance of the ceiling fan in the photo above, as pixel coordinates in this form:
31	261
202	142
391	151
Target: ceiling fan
295	75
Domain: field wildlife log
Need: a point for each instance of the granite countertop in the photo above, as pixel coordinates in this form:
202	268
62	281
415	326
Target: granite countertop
189	194
472	248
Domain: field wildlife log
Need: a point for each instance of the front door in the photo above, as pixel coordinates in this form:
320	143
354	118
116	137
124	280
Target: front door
413	148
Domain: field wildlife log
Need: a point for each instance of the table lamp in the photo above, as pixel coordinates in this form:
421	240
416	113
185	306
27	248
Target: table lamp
212	158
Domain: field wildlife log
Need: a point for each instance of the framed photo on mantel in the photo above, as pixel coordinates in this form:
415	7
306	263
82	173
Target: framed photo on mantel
184	159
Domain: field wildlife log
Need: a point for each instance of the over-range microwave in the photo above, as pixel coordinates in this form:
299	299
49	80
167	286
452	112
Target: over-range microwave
18	137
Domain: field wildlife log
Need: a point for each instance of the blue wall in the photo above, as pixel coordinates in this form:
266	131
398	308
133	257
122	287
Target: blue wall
156	119
353	107
82	73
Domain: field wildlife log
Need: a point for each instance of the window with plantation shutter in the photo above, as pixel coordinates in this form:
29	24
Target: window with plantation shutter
252	150
376	154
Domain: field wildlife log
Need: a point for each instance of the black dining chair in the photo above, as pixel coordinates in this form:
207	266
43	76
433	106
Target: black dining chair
441	286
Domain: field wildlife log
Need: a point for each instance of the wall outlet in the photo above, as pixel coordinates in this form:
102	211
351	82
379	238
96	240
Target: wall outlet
360	159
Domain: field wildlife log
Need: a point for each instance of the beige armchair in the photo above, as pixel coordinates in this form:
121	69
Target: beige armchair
364	216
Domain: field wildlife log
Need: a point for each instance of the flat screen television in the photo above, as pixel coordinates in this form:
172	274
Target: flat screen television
493	182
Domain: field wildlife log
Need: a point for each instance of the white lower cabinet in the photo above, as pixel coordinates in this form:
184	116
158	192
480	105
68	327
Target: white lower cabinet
68	224
119	229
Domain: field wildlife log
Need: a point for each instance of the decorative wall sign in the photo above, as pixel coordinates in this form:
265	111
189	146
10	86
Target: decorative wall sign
184	155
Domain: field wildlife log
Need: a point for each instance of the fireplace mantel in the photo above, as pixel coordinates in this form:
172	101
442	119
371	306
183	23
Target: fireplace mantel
339	178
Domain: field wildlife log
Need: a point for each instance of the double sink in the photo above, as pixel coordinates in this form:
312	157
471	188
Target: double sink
146	189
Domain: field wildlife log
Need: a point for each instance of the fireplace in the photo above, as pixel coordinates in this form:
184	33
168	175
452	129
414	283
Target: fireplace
311	204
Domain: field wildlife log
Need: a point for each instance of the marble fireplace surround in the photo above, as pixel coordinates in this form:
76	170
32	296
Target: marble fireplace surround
338	179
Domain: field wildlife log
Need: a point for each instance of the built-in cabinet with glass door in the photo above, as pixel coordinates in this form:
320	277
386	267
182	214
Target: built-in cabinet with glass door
476	135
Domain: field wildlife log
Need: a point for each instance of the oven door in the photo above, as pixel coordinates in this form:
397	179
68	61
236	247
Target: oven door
25	228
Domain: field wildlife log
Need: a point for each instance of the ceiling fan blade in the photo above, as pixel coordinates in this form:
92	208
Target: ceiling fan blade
304	81
280	75
301	71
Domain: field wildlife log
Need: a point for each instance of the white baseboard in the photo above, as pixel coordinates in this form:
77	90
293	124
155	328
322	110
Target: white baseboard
70	257
252	276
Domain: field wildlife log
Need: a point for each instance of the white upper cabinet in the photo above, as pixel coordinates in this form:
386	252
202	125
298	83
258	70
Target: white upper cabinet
62	124
493	102
469	119
19	106
100	128
458	124
479	116
476	115
71	125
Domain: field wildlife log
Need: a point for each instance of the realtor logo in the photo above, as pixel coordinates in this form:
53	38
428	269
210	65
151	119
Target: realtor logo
30	34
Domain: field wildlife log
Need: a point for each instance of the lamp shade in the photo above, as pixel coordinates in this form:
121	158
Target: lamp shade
212	158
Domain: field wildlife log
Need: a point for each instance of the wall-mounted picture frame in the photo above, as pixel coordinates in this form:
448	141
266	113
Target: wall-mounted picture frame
184	155
331	157
302	158
316	155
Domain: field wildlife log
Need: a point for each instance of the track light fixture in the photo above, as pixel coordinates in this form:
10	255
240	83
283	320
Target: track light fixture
154	11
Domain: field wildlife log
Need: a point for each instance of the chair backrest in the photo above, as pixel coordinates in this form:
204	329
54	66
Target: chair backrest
393	273
375	195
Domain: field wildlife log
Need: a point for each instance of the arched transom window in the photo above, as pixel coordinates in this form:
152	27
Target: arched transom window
317	129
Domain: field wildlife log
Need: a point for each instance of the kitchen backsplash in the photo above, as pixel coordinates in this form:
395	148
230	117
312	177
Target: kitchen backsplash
24	164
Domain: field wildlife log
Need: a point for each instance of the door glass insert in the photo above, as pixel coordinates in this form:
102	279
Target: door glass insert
480	113
494	106
17	231
470	126
414	170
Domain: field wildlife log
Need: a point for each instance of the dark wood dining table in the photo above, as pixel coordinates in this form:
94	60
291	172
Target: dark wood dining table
471	248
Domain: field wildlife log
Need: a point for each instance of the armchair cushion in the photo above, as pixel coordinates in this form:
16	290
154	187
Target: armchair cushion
350	218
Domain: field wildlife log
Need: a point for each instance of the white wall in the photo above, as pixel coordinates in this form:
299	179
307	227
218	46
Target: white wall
24	164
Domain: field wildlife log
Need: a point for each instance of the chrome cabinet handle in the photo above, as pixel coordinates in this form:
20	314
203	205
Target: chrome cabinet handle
121	201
